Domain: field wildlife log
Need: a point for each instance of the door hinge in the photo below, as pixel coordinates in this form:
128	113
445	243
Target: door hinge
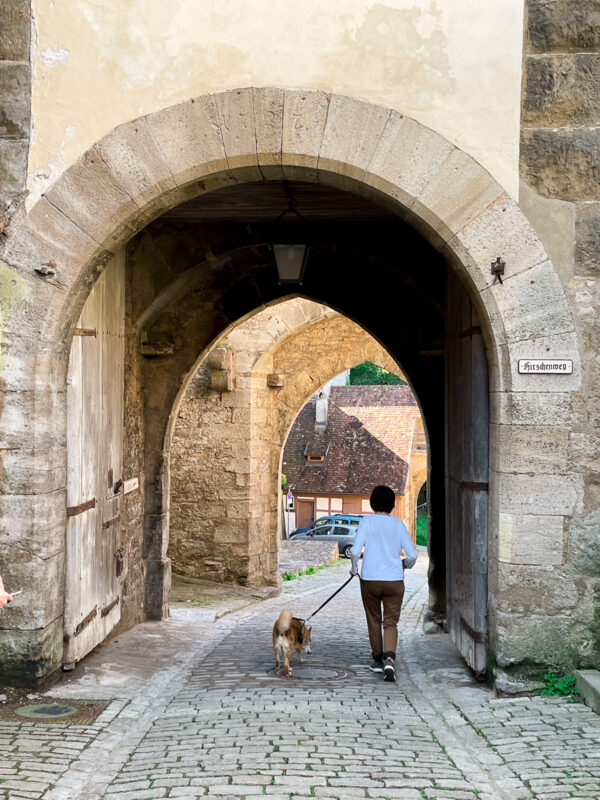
85	332
476	487
73	511
107	609
86	621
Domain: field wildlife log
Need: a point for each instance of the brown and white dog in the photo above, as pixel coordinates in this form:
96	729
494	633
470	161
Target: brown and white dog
289	634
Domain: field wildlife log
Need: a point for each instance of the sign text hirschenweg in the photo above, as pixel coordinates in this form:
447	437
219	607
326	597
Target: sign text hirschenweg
545	366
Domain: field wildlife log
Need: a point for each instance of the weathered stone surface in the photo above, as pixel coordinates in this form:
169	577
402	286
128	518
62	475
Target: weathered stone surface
406	158
189	137
529	538
587	239
304	117
524	408
32	527
236	114
458	192
588	683
536	589
27	657
268	119
562	346
103	214
530	448
14	100
593	402
563	25
158	584
584	544
131	154
42	581
15	30
526	494
562	164
530	304
13	168
509	685
47	236
554	222
534	639
501	230
351	135
561	90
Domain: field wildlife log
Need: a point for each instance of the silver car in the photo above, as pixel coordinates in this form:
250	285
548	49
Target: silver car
331	532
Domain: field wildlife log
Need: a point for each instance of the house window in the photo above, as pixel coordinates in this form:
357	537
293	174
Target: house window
314	458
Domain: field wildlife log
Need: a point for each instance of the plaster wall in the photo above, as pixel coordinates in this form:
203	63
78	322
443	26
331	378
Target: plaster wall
100	63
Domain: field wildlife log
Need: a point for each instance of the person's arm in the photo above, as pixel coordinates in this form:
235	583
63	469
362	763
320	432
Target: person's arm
411	551
5	597
359	541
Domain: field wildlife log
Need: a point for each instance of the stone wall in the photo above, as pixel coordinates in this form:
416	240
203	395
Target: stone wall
15	104
560	192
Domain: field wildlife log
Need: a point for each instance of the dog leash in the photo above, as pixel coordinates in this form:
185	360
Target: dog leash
337	591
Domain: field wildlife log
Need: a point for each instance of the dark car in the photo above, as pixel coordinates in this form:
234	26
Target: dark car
331	530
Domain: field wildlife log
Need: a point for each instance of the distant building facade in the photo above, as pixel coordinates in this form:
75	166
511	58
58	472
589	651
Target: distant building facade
347	440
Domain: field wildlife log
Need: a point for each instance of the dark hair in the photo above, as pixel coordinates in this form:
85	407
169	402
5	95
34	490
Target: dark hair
383	499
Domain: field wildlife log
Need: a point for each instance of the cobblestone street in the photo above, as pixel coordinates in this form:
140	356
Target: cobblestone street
195	711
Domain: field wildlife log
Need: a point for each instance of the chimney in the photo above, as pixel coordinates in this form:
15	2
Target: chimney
321	409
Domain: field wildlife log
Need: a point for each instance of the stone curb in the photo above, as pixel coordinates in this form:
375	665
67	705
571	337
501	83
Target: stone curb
588	683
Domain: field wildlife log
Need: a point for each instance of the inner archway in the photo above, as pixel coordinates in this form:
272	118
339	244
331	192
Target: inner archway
227	441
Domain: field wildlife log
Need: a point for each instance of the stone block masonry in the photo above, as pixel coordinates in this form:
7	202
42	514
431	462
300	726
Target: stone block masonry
559	163
15	104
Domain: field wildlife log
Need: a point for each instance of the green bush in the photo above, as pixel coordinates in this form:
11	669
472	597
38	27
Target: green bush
368	374
556	685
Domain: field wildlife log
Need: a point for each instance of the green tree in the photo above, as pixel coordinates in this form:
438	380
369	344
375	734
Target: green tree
369	374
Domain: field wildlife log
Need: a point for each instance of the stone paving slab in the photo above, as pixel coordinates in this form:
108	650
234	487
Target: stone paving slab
198	713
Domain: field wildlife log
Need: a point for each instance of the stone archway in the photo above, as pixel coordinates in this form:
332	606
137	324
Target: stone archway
226	444
149	165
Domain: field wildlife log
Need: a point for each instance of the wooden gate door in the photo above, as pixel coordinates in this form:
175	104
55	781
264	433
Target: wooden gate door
95	407
467	460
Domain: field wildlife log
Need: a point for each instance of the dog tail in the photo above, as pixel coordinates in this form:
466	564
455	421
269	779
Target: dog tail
283	623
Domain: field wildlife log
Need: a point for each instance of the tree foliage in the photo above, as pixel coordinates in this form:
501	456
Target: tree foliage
369	374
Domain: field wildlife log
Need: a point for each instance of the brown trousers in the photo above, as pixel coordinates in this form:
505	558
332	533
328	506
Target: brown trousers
389	594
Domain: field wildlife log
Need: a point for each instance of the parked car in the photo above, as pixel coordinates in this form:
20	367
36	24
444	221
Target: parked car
331	531
342	519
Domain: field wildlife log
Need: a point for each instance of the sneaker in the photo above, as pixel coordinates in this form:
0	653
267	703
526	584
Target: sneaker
376	666
389	672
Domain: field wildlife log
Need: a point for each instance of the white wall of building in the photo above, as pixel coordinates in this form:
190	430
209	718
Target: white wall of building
454	66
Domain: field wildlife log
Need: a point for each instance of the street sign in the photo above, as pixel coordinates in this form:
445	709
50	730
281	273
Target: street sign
543	366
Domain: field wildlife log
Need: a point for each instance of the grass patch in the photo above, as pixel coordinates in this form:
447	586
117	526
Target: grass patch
422	529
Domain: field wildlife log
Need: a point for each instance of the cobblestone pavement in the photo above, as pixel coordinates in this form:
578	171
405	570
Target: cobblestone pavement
197	712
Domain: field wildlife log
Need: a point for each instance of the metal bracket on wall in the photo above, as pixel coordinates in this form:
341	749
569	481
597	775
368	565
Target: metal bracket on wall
497	270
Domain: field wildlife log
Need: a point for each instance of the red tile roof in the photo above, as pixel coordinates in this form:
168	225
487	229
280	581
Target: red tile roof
368	441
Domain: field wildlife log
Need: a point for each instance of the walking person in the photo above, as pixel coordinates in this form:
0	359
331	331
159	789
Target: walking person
383	538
